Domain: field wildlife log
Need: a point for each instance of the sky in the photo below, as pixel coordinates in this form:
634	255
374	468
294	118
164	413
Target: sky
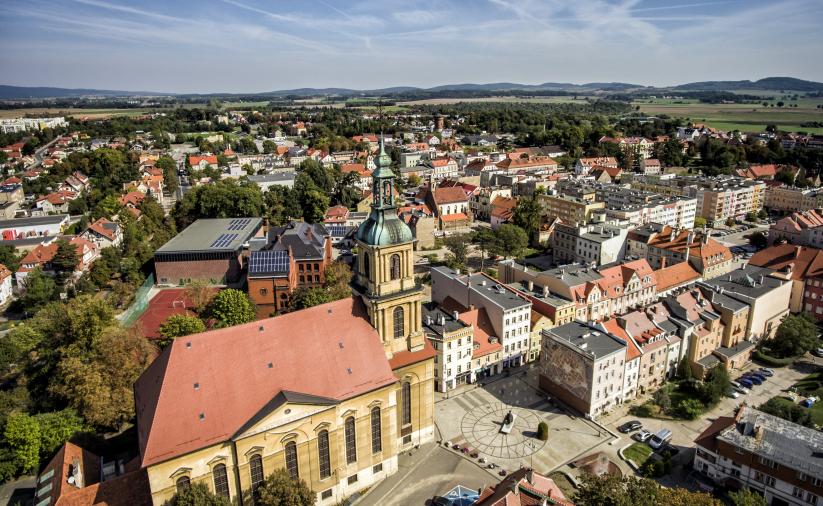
246	46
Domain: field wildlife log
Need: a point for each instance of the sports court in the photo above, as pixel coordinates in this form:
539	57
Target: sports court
166	303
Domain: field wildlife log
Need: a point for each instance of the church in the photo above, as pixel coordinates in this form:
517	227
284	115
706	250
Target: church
332	394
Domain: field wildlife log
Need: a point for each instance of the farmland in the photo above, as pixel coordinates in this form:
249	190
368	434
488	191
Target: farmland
77	113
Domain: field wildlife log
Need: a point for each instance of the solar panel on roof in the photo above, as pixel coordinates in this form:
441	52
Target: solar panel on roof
223	240
239	223
269	261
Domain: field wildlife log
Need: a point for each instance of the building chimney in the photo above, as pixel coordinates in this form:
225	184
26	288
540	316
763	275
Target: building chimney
663	262
545	291
455	315
530	285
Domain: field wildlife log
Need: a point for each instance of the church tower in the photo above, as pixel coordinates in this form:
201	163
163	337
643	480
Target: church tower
385	267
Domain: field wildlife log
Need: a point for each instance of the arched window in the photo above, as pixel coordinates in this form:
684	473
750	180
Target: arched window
399	324
221	480
376	431
323	454
405	400
183	483
395	266
291	460
351	441
256	471
366	264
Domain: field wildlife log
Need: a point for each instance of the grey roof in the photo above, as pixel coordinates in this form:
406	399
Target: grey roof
34	221
747	282
441	321
551	298
496	292
307	241
709	361
277	177
782	441
737	349
586	339
574	274
220	234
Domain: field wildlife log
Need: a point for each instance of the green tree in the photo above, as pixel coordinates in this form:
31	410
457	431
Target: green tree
684	369
22	435
715	385
611	490
414	181
458	246
65	260
178	325
796	335
305	297
510	241
9	257
758	240
527	216
662	399
98	382
699	222
40	289
231	307
787	410
337	280
224	199
279	489
197	494
56	428
730	222
314	204
689	409
484	238
543	431
269	146
746	497
169	168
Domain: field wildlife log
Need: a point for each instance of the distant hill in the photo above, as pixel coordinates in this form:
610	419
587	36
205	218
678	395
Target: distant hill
768	84
21	92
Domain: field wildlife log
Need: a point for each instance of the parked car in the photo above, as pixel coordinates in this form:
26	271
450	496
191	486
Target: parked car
754	379
766	371
762	377
818	352
741	390
732	393
630	426
660	439
642	435
745	383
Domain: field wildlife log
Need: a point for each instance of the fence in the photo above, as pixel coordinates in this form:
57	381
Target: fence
141	302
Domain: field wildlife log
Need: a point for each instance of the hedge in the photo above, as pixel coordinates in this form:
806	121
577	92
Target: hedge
772	361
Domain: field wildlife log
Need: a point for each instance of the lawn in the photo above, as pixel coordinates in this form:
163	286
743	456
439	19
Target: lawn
638	453
813	385
565	485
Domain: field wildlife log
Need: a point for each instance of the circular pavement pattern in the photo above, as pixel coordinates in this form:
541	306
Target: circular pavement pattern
481	428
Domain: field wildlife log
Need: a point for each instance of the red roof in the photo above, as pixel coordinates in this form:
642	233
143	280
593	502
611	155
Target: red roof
483	331
613	327
105	228
675	275
328	351
449	195
209	159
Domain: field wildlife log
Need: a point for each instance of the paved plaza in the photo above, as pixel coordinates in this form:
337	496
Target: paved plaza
473	418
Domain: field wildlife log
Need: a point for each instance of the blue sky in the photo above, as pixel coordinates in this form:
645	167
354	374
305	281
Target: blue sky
263	45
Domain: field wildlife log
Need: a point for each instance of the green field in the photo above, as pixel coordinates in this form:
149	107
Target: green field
745	117
77	113
522	100
638	453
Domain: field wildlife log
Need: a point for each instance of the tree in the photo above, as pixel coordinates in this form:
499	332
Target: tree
662	399
699	222
9	257
22	434
231	307
484	238
527	215
751	216
746	497
458	246
730	222
684	369
611	490
40	289
414	181
758	240
56	428
796	335
178	325
197	494
279	489
169	167
337	278
98	383
543	431
689	409
65	260
200	294
511	240
314	204
715	385
305	297
224	199
787	410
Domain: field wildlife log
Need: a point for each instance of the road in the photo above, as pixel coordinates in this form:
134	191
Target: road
38	154
738	239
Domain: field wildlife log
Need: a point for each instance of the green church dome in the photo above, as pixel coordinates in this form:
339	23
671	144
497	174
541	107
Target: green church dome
384	229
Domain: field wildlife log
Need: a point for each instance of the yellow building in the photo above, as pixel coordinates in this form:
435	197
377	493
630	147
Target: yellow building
332	393
571	210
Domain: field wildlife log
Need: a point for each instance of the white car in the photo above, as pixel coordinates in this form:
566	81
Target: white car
642	435
734	394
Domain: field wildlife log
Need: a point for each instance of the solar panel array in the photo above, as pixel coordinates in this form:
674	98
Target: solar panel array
223	241
239	223
269	261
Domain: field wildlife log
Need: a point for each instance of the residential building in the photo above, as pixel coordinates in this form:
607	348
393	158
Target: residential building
444	167
41	257
104	233
792	199
724	198
650	166
583	366
526	164
664	245
776	458
410	159
584	165
639	147
659	349
6	287
208	250
480	202
594	243
450	205
509	312
570	210
453	342
803	228
674	277
11	193
266	181
201	162
502	211
804	267
523	487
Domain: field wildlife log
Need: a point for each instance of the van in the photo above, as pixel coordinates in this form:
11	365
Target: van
660	439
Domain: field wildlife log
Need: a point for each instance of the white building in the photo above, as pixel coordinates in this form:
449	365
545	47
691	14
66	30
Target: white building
509	313
453	341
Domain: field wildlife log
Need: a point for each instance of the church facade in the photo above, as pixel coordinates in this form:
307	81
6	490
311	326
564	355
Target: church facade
332	394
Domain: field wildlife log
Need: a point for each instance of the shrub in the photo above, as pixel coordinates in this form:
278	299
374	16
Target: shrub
771	361
689	409
645	410
543	431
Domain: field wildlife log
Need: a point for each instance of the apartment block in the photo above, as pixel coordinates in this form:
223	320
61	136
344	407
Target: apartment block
453	340
792	199
570	210
594	243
